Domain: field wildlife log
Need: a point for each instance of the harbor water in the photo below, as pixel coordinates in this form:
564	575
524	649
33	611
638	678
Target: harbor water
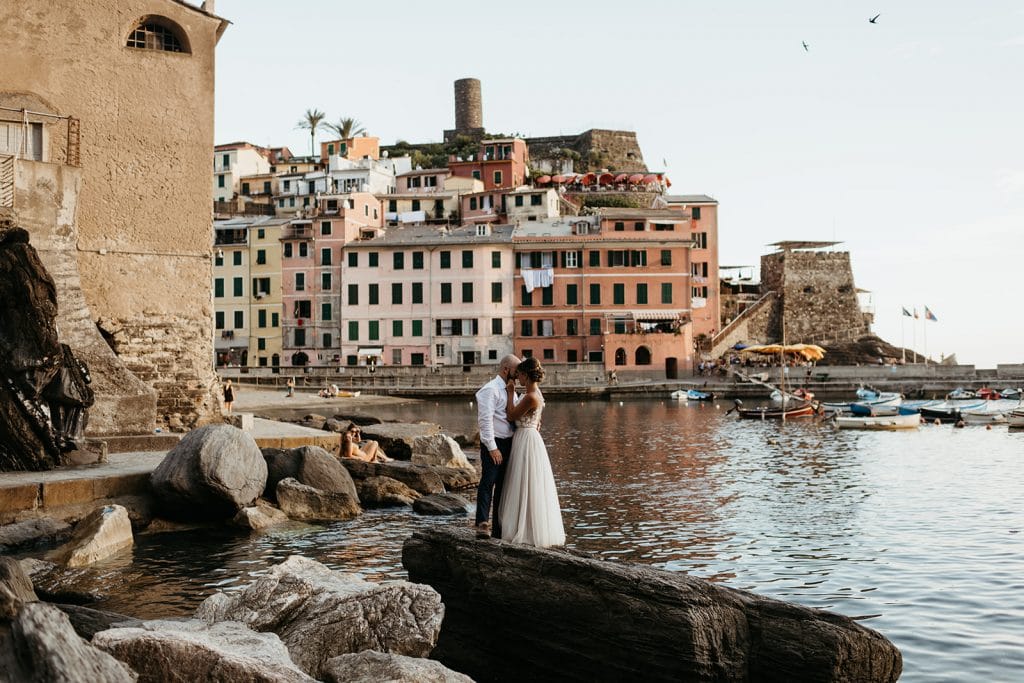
917	533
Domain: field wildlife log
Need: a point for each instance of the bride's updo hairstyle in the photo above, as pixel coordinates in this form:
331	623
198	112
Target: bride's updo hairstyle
532	369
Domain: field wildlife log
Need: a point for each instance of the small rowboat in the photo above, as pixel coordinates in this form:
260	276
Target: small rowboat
1015	418
902	419
692	395
783	413
983	416
950	411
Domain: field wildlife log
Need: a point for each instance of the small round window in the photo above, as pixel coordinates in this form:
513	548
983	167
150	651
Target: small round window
153	34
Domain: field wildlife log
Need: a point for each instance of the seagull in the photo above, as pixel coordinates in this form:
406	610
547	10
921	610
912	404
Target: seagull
806	46
874	19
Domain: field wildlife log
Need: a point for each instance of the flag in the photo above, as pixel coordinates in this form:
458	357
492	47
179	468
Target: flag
907	313
915	313
928	315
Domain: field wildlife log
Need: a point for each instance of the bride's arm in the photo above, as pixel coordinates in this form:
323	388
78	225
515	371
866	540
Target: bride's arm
517	410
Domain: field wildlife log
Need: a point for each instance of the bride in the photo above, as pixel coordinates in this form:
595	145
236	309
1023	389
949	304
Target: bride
529	511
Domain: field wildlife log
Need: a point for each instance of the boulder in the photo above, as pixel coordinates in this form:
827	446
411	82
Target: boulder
320	614
313	421
42	647
398	439
369	666
212	473
421	478
441	504
455	478
309	465
552	614
42	530
87	622
438	449
308	504
141	510
103	532
335	425
384	492
15	588
260	516
193	650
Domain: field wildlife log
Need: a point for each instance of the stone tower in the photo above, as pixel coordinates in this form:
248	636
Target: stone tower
469	116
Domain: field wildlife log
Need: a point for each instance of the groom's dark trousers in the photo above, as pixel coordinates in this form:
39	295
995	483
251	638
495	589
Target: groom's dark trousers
492	478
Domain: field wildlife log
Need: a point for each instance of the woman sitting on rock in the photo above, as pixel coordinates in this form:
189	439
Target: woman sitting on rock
367	451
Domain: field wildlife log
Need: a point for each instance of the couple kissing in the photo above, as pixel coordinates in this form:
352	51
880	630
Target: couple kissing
516	481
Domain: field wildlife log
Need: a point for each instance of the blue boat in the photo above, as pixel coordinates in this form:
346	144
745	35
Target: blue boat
692	395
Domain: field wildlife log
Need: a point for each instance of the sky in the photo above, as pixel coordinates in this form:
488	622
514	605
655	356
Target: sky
901	139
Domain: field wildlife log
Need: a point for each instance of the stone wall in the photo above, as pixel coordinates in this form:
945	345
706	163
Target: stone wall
144	214
819	297
616	150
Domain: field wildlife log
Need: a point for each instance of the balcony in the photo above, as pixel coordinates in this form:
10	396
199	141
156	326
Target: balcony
298	231
228	237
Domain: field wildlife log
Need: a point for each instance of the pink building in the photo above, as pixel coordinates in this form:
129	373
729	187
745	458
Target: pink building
499	163
705	295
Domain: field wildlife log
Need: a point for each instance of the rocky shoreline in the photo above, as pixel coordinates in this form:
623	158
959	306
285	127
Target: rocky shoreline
559	614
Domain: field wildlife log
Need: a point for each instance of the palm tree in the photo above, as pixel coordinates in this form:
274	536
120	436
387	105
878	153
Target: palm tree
346	128
312	120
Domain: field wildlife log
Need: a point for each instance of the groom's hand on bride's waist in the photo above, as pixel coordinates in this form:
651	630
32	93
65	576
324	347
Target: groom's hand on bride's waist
496	456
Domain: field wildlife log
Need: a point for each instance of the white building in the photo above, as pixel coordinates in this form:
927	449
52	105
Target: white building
231	162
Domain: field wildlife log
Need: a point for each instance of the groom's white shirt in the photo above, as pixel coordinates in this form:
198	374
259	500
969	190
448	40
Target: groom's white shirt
490	412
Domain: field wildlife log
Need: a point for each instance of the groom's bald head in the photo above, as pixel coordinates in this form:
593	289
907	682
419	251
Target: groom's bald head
508	364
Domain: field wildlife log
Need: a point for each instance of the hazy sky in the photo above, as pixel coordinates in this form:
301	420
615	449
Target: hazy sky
902	139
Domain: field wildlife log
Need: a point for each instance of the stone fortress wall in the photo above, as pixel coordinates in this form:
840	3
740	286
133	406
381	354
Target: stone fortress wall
616	150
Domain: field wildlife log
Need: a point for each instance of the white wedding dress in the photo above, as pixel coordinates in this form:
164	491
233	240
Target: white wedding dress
529	511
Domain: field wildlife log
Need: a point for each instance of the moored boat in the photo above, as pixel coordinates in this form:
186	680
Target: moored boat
787	412
692	395
983	416
897	418
799	395
1015	418
948	411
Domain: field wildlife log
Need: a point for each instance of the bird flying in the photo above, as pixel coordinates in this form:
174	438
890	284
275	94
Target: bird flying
806	46
874	19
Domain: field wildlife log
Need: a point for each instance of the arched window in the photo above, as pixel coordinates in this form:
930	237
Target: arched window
299	359
643	356
620	356
158	33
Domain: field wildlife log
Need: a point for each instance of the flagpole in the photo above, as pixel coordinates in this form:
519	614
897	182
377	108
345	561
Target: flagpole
926	339
913	328
903	336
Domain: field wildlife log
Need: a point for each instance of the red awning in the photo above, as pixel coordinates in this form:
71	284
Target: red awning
557	179
605	179
588	179
636	178
544	180
650	178
622	177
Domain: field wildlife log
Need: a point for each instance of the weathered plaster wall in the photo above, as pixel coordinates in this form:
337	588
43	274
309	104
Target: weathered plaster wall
47	196
144	215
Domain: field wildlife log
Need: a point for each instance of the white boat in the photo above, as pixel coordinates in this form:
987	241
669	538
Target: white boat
1015	418
903	419
986	415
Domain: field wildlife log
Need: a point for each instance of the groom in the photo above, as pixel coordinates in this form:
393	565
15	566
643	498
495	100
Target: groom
495	444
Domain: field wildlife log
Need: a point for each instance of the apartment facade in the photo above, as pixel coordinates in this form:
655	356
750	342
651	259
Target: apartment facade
422	295
233	161
500	163
705	289
589	290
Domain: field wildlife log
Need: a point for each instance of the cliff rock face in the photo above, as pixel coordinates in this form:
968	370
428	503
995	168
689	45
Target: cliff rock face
551	614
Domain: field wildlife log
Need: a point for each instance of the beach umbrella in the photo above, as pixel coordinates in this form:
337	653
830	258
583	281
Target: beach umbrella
544	180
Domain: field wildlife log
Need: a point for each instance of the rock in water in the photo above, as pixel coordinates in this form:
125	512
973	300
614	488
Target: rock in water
15	588
260	516
212	473
441	504
43	648
196	651
309	465
555	615
439	449
308	504
371	667
384	492
320	614
421	478
100	534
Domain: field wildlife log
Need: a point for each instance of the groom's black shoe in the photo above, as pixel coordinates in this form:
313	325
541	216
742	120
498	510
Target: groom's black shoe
483	530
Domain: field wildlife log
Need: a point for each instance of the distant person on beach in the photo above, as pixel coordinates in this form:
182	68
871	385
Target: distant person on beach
352	446
229	396
495	445
291	387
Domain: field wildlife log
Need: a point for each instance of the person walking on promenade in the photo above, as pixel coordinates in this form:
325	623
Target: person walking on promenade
291	387
229	396
495	445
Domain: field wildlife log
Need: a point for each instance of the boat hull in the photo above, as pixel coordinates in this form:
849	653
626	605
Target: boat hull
777	413
880	422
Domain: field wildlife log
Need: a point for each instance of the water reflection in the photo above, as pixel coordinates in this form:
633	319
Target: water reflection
919	530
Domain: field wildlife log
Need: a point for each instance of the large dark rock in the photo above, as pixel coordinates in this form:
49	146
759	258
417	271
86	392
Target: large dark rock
42	647
555	615
44	392
441	504
384	492
309	465
87	621
38	531
307	504
212	473
320	614
421	478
